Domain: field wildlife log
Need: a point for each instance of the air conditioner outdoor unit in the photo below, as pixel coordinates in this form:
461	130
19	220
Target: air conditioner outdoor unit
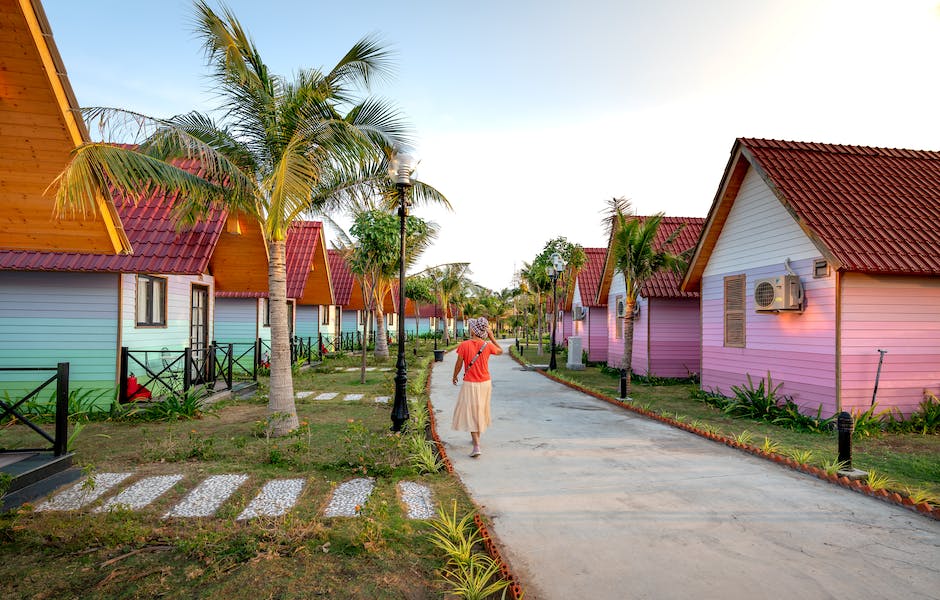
578	313
778	293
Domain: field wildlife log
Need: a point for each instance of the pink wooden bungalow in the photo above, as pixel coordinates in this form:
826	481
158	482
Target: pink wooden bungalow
667	333
589	316
813	258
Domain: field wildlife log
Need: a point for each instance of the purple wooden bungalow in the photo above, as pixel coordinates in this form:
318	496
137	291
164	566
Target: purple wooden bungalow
589	316
815	257
667	333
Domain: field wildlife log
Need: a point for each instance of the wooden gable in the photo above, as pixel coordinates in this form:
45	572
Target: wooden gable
319	288
39	127
240	260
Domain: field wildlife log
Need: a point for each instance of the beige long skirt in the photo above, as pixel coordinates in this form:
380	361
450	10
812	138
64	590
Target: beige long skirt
472	412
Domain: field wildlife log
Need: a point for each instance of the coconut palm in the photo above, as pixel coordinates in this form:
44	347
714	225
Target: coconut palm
278	148
637	257
448	283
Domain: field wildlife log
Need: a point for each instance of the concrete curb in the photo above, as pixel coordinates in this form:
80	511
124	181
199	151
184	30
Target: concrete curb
856	485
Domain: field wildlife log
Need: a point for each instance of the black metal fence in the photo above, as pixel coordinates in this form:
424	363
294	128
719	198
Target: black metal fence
59	440
167	372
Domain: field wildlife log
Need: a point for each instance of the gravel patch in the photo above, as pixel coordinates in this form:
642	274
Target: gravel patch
417	498
141	493
304	394
84	492
349	495
350	397
327	396
208	496
276	498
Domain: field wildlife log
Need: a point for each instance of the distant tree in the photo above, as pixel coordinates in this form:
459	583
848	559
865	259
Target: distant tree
418	290
637	257
448	282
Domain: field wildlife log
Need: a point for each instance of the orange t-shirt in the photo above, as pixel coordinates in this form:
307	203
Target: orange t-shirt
480	370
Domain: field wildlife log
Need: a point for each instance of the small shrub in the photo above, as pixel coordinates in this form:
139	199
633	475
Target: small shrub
927	418
422	455
869	423
919	496
744	437
833	466
801	456
877	481
769	446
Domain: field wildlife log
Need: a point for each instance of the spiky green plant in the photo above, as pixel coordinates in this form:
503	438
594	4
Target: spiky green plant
769	446
455	536
478	579
799	455
421	454
919	496
744	437
877	481
833	466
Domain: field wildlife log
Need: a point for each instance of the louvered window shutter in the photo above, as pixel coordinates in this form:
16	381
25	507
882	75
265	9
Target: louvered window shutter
735	303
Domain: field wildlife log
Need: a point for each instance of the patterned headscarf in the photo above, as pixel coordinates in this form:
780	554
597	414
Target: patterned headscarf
478	326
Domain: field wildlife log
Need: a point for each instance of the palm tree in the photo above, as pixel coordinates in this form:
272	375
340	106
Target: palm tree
448	283
538	283
279	148
635	255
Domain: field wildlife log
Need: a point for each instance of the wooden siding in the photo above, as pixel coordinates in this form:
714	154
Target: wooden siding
674	336
308	321
596	342
615	342
239	262
897	314
237	321
175	336
38	130
759	231
46	318
798	350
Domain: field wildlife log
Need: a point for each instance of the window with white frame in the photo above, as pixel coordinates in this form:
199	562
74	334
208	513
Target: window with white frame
324	315
266	312
151	301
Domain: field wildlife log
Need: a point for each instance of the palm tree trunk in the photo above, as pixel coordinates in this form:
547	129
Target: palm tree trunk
381	335
365	335
539	299
282	414
627	363
444	304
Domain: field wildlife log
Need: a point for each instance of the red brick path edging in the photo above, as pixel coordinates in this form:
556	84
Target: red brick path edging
489	542
855	485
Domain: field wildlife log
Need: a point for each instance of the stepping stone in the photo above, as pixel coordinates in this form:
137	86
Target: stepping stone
382	399
351	397
276	498
327	396
208	496
370	368
351	369
304	394
141	493
417	498
83	492
347	496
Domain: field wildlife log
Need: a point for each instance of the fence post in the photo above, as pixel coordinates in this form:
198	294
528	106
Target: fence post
309	349
257	358
60	445
187	368
228	371
122	377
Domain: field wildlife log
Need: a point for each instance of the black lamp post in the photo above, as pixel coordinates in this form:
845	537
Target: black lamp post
400	168
554	270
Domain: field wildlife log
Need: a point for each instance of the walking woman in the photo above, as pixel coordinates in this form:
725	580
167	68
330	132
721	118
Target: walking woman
472	412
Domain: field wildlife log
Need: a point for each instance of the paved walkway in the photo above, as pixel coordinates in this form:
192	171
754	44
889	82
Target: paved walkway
589	500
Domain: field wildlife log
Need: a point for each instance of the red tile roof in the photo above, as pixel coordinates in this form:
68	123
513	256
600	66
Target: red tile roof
589	278
876	210
302	240
341	276
159	246
665	284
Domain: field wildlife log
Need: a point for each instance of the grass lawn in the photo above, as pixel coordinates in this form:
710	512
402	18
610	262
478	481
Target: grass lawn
908	460
138	554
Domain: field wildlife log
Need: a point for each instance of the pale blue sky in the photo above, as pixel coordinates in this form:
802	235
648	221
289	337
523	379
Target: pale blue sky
530	114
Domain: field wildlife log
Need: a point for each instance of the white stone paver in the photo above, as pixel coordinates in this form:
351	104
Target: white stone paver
142	493
304	394
351	369
276	498
208	496
348	496
382	399
417	498
351	397
84	492
327	396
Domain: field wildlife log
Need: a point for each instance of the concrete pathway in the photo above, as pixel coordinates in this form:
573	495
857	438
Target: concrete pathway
591	501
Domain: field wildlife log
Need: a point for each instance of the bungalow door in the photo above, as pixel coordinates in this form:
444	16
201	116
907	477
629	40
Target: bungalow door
199	335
